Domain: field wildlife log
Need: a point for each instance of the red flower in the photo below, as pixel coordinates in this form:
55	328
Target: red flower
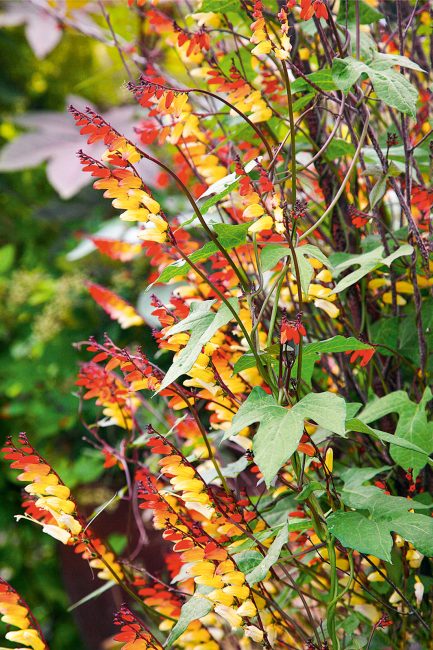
364	355
310	8
359	218
291	330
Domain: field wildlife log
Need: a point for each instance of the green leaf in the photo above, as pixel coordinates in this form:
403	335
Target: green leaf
378	191
346	72
260	572
356	425
7	256
328	410
203	324
389	85
231	235
246	561
193	609
338	148
416	529
278	435
249	361
220	6
367	262
322	78
367	536
181	267
308	489
395	90
301	102
412	427
305	268
228	235
371	533
335	344
271	255
367	14
280	429
313	351
205	207
382	61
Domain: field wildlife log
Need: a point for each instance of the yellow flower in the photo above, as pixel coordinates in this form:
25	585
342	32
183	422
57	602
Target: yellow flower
264	223
28	637
229	614
262	48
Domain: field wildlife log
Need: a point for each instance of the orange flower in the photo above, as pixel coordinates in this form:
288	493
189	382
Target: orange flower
16	613
117	308
291	330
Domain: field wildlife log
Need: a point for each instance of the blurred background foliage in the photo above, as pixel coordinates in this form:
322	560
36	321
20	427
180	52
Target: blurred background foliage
46	307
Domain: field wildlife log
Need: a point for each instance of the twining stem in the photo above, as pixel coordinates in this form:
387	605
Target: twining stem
343	182
333	594
292	131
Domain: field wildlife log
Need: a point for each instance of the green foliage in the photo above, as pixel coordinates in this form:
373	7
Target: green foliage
368	529
280	429
366	262
260	571
203	324
390	86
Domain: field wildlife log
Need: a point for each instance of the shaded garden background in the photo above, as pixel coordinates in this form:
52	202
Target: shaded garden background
46	307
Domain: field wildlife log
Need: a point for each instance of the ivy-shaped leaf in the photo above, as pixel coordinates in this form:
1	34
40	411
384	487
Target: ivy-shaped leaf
203	324
260	572
193	609
413	427
367	262
369	531
280	429
389	85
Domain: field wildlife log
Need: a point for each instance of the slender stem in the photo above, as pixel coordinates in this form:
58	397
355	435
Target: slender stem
241	276
292	131
230	307
343	182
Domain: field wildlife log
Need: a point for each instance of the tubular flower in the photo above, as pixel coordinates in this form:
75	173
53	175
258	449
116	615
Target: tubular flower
117	308
15	612
208	562
292	330
260	34
180	127
364	355
50	506
97	128
309	8
50	494
241	94
130	195
133	634
119	406
117	250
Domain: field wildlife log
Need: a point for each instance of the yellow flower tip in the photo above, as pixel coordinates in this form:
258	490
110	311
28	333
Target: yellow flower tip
229	614
262	48
329	459
253	210
254	633
247	609
29	638
58	533
264	223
